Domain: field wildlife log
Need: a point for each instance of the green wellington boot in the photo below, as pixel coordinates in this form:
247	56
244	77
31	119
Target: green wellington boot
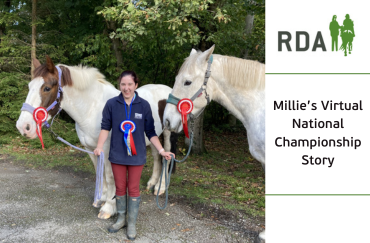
121	203
133	211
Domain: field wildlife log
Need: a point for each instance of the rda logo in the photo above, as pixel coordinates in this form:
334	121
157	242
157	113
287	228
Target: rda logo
346	32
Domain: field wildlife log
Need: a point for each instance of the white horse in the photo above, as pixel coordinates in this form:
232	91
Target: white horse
85	92
236	84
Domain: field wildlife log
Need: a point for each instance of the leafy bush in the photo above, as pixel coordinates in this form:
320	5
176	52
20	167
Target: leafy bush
12	95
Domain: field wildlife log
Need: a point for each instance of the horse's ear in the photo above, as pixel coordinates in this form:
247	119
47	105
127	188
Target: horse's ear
36	63
50	65
206	55
66	76
193	51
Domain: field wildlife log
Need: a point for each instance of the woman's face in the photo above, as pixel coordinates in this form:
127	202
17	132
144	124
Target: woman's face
128	87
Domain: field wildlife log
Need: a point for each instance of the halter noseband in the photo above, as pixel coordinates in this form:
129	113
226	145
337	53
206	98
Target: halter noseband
40	114
185	106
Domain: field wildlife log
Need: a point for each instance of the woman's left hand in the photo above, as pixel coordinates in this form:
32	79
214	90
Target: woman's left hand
167	155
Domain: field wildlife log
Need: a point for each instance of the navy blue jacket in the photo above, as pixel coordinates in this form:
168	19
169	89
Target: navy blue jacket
141	115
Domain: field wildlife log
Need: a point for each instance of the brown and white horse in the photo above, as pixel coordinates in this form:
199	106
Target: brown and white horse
85	92
237	84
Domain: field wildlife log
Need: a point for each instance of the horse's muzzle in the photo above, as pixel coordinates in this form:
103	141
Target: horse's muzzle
26	129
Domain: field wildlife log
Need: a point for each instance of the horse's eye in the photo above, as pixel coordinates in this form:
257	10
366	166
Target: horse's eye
47	89
187	82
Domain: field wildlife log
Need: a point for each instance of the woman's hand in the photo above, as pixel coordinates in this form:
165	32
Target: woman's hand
97	151
167	155
103	135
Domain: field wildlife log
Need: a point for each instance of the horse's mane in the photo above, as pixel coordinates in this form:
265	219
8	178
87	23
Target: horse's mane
82	76
240	73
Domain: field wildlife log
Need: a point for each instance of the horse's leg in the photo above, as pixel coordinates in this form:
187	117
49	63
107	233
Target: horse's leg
257	154
260	238
167	147
104	196
157	167
109	208
257	146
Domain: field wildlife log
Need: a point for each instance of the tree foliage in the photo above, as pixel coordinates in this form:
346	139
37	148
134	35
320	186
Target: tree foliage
151	37
180	18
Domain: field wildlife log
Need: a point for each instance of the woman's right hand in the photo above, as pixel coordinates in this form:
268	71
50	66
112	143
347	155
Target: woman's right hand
97	151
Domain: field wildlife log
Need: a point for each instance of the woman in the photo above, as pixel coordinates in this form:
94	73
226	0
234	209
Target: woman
128	116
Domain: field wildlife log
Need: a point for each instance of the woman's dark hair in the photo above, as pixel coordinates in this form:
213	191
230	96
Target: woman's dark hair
126	73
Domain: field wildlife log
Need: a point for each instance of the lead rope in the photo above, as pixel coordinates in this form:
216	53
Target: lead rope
99	166
164	168
99	170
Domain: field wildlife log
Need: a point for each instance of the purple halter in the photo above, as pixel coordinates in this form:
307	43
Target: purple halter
31	109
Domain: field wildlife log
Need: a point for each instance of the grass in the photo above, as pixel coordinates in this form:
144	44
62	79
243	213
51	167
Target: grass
56	155
226	175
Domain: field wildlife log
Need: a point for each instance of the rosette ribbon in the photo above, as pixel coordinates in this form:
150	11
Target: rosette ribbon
128	127
40	115
185	106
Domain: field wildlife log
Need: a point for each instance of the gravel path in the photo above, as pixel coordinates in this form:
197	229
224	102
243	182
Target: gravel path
52	206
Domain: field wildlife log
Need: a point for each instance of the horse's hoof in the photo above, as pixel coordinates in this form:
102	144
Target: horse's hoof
98	204
150	188
260	238
103	215
160	192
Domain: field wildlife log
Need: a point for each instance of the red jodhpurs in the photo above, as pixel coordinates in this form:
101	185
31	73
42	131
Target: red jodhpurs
127	176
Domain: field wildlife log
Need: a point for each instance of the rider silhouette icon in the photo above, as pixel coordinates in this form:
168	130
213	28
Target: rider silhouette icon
347	33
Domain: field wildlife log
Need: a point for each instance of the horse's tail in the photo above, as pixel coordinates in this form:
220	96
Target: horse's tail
173	140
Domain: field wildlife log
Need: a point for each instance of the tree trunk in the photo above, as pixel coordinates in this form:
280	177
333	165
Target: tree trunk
203	46
198	141
248	30
231	120
33	44
116	45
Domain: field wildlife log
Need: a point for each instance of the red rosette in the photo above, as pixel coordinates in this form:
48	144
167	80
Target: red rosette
133	125
129	132
185	106
40	115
